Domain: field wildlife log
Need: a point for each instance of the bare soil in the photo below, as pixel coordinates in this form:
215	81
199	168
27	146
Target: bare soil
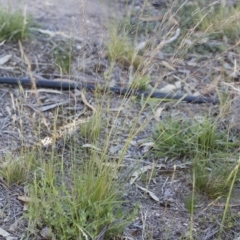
21	112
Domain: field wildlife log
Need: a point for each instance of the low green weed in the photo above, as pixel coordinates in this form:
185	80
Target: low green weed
222	21
63	60
190	138
16	170
140	82
205	145
91	130
14	25
121	50
212	175
76	203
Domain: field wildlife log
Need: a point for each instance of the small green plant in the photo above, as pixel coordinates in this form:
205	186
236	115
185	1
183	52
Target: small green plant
14	25
231	179
203	142
63	59
222	20
215	20
172	138
79	195
92	129
78	203
190	203
16	170
140	82
211	176
121	50
202	25
190	138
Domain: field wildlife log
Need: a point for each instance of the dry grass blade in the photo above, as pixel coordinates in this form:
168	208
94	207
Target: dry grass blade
86	102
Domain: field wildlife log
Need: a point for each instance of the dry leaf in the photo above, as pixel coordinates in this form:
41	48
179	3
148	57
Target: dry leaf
167	89
51	106
171	39
24	199
141	46
134	143
52	34
46	141
158	113
7	68
25	207
178	84
147	144
91	146
44	90
138	172
4	233
8	110
17	224
152	195
146	147
2	42
167	65
2	214
13	227
5	59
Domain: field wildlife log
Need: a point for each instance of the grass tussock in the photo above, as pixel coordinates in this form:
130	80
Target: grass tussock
77	203
205	145
16	170
204	26
14	25
91	130
222	21
77	194
212	176
190	138
121	50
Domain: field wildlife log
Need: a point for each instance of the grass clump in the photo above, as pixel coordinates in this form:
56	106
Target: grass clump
16	170
76	203
140	82
222	21
190	138
190	203
14	25
91	130
63	59
121	50
203	24
77	194
212	176
216	20
207	146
